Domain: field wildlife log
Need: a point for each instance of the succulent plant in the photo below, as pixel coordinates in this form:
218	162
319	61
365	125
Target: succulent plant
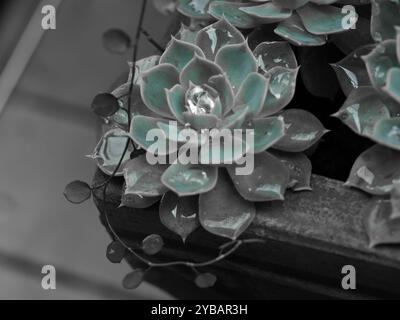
370	77
301	22
215	83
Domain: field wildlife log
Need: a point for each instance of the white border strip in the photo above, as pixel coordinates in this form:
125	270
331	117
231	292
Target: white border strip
22	54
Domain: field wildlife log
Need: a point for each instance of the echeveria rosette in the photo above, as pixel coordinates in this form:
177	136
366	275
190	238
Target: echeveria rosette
371	79
218	82
301	22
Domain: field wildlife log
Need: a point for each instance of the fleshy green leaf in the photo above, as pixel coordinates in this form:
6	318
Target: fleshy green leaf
267	132
179	214
232	12
115	252
387	133
380	226
290	4
282	86
133	279
179	53
213	37
362	110
223	212
379	61
392	87
293	30
237	61
299	167
109	150
196	9
77	192
268	181
275	54
137	201
267	12
322	20
140	132
154	83
252	93
351	71
105	105
205	280
376	170
200	121
198	71
221	84
176	102
187	34
385	16
142	178
152	244
190	179
302	131
234	120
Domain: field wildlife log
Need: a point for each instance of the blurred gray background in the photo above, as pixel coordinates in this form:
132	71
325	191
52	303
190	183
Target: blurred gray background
46	129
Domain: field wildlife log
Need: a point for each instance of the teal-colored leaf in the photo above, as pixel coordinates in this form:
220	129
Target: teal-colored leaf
154	83
176	102
234	120
267	12
282	86
322	20
237	61
387	133
188	179
268	181
231	12
200	121
299	167
223	211
392	87
293	30
179	53
362	110
376	170
252	93
267	132
379	61
351	71
198	71
142	178
196	9
221	84
109	150
290	4
223	147
303	130
275	54
186	34
140	132
385	16
213	37
180	214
